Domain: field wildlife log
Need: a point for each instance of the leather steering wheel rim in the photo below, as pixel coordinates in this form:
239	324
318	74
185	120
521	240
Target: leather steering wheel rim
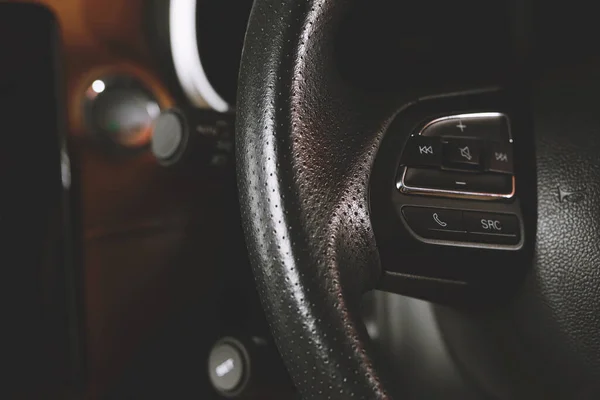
305	147
306	142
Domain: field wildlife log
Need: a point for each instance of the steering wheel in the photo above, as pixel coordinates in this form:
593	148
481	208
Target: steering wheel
308	143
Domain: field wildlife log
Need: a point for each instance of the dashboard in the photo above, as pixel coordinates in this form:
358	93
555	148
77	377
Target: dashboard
162	274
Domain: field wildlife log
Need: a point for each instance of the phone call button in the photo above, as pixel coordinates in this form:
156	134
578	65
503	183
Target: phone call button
434	223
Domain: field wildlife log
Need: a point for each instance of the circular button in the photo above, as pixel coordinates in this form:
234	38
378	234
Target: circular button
228	366
168	138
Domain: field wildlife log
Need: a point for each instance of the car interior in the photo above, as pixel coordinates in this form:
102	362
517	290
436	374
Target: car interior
300	199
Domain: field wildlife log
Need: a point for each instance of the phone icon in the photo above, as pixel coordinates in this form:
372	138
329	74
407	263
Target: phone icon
437	219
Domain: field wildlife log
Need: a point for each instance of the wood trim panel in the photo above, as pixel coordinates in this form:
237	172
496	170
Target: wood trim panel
126	290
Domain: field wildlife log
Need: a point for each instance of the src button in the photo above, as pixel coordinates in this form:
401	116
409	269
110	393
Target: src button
492	228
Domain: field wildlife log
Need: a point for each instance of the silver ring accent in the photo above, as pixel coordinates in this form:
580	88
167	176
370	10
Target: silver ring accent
459	194
186	57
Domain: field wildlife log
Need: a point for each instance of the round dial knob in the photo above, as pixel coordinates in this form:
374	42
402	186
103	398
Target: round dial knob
120	111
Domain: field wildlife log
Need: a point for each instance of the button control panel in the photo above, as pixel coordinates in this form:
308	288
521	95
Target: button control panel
461	156
463	226
447	167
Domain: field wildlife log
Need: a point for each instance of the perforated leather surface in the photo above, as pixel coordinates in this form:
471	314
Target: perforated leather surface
305	146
